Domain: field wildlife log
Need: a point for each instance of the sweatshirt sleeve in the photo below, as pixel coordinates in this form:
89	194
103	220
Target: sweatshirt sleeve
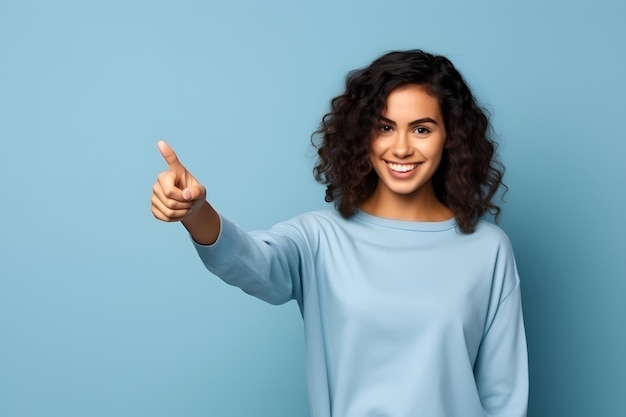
265	264
501	368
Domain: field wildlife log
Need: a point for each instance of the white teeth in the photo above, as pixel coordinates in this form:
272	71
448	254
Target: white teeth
401	167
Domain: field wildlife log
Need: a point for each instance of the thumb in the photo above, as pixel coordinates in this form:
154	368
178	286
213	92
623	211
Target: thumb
170	156
193	192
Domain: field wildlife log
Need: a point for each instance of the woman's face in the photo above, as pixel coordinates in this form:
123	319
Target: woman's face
408	144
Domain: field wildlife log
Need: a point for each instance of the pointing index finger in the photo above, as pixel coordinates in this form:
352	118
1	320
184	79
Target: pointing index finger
169	155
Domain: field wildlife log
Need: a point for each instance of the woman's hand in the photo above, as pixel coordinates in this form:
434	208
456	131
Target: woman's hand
176	194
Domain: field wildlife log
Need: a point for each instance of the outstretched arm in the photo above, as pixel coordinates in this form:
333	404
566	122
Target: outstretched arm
178	196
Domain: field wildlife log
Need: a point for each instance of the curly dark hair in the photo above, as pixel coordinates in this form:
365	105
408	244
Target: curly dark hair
469	174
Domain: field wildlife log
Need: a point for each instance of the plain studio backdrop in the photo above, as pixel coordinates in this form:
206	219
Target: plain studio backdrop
105	311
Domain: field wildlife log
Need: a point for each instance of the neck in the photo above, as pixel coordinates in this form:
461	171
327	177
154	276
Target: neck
421	206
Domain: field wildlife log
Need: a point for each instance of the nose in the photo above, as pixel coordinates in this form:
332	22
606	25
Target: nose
401	146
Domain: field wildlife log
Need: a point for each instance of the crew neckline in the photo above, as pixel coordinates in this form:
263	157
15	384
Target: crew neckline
422	226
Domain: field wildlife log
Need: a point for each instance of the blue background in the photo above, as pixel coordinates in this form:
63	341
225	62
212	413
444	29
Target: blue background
105	311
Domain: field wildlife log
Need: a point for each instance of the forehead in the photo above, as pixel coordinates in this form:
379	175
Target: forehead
413	99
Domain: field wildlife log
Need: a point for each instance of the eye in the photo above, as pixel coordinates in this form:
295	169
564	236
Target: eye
385	128
421	130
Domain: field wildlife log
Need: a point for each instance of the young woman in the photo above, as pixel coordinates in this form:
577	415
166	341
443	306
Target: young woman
411	302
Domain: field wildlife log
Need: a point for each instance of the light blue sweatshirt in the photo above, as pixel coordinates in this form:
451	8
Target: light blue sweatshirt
401	319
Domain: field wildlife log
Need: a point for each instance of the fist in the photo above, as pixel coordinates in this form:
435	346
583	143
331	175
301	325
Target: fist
176	193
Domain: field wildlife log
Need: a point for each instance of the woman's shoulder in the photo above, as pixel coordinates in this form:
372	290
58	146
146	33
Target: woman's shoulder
315	220
490	229
490	233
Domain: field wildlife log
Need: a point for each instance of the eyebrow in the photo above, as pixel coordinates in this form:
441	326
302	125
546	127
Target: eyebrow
414	122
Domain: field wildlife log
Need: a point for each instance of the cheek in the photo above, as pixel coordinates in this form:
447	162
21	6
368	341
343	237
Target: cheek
440	156
377	149
372	160
437	147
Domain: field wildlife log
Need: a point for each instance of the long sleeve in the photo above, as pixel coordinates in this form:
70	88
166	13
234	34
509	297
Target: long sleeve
264	264
501	368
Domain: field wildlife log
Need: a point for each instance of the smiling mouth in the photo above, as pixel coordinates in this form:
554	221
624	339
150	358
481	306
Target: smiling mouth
401	167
